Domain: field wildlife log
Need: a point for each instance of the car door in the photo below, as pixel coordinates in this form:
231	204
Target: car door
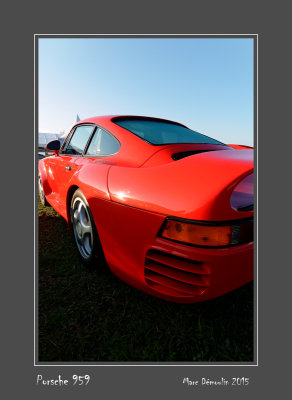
66	163
102	147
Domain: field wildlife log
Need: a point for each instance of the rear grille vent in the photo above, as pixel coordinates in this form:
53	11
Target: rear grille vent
175	276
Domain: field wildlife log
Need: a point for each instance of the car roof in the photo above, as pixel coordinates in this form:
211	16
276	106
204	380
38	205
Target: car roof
105	119
134	151
108	122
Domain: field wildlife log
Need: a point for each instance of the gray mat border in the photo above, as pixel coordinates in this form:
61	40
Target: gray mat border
271	21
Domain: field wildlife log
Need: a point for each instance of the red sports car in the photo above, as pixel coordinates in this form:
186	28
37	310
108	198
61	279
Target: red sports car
170	209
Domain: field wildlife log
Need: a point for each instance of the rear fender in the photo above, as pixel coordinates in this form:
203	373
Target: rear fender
197	187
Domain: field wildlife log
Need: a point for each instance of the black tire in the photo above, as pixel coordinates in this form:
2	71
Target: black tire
84	231
42	193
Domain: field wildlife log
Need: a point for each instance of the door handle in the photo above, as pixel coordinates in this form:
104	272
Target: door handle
68	167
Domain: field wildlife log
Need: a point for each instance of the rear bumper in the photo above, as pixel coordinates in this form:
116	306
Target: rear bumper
169	270
185	274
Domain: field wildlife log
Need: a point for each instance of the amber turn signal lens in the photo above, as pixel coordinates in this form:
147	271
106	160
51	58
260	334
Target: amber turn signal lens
199	235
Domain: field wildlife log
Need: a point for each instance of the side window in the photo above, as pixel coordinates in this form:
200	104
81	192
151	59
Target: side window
103	144
79	140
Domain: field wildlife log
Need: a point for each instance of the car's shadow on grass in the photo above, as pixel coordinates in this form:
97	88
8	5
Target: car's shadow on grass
90	315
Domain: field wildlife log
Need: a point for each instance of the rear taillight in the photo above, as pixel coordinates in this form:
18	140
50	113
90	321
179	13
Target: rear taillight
207	234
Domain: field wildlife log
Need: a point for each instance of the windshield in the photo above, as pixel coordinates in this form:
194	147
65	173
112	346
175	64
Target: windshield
159	132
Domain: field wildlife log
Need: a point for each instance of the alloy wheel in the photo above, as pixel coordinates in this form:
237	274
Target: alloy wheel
82	227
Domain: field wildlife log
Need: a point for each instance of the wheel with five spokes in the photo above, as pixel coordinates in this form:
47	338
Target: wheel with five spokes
84	230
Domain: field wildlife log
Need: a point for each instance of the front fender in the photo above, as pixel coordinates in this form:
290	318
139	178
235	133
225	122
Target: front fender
42	172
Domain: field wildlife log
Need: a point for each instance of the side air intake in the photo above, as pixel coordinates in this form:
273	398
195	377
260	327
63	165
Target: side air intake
175	276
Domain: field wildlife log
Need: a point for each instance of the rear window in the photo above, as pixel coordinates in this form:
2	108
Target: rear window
159	132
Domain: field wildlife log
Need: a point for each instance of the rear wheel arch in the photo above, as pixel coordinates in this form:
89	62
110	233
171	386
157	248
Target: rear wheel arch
70	194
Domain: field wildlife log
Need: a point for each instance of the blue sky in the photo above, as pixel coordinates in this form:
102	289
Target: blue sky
206	84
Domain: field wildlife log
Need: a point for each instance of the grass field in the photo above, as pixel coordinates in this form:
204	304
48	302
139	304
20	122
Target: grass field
90	315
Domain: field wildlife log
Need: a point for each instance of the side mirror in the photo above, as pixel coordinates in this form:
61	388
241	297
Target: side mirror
54	146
